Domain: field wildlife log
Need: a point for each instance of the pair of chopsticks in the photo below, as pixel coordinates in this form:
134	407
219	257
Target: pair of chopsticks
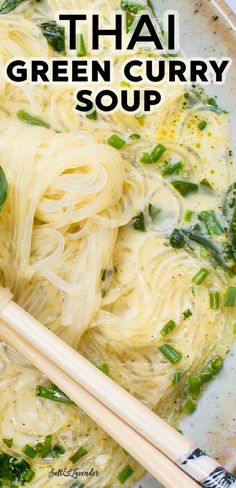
161	450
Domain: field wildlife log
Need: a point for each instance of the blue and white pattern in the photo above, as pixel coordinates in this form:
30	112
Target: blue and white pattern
220	478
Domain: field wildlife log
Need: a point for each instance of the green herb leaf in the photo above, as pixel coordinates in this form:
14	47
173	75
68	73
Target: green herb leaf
81	452
125	474
131	7
55	35
172	168
206	185
14	471
9	5
139	222
53	393
8	442
211	223
213	248
184	187
154	212
170	353
177	239
56	451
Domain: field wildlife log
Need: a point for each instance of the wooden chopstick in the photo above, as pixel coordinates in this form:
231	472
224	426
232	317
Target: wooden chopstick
205	470
161	467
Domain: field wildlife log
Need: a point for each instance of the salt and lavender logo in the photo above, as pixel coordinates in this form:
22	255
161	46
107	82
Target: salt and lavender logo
73	473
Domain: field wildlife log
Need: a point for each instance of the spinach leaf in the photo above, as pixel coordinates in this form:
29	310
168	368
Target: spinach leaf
9	5
55	35
14	470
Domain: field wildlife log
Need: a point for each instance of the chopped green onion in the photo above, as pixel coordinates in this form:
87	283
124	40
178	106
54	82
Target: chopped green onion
177	239
209	219
230	296
29	451
93	115
81	51
187	313
157	152
217	364
202	125
116	141
214	300
200	276
206	376
168	328
81	452
170	353
188	215
184	187
194	384
139	222
30	119
153	211
172	168
125	474
134	136
8	442
28	476
46	446
146	158
53	393
190	406
176	378
104	368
